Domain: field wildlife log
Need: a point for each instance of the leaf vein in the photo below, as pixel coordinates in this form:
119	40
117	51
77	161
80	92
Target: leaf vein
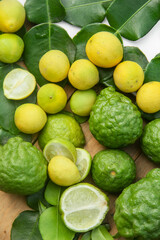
89	4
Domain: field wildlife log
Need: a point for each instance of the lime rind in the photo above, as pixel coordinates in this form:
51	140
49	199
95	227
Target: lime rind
83	207
18	84
84	161
60	147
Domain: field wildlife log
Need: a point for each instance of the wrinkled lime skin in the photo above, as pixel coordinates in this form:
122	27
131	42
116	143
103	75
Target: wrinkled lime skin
23	169
150	140
113	170
138	209
114	120
61	126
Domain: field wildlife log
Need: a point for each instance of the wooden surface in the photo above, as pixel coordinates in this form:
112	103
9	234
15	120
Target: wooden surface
11	205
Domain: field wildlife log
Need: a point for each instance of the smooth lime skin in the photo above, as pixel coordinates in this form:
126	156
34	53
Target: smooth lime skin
23	169
81	102
138	209
150	140
114	120
12	47
61	126
113	170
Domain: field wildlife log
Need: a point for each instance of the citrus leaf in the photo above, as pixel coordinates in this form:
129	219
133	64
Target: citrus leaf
101	233
25	226
42	38
52	227
152	72
83	12
44	11
133	19
8	107
52	193
86	236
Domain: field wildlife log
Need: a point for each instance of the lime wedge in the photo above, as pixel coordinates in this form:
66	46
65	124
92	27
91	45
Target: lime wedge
60	147
83	163
83	207
18	84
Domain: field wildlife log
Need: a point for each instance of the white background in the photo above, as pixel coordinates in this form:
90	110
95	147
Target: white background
149	44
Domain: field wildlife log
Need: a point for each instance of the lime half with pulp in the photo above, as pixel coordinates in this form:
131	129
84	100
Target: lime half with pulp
83	163
60	147
83	207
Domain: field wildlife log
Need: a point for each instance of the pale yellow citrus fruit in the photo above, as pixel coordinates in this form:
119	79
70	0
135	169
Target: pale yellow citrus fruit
12	47
83	74
104	49
30	118
18	84
12	15
148	97
63	171
128	76
51	98
54	66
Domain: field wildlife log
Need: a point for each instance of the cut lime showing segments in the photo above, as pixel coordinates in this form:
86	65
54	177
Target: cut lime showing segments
18	84
83	207
60	147
83	163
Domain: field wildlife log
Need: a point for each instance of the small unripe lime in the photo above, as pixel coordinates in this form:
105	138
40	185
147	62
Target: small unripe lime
54	66
12	47
30	118
81	102
12	15
83	74
51	98
104	49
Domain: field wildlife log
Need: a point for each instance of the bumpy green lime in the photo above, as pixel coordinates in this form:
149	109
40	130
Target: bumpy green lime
114	120
138	209
113	170
150	141
23	169
62	126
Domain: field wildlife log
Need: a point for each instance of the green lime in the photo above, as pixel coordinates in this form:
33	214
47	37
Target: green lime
113	170
83	207
61	126
83	163
11	47
61	147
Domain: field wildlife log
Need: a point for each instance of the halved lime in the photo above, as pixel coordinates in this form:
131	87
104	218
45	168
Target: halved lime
83	207
83	163
18	84
60	147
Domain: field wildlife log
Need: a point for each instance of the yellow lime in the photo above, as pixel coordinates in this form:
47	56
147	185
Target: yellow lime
54	66
12	15
63	171
104	49
18	84
83	163
30	118
11	47
51	98
61	147
148	97
83	74
83	207
128	76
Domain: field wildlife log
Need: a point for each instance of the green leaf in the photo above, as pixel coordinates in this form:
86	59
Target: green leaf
8	107
80	41
150	116
42	38
25	226
52	193
83	12
136	55
52	227
152	72
133	19
86	236
44	11
5	135
101	233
